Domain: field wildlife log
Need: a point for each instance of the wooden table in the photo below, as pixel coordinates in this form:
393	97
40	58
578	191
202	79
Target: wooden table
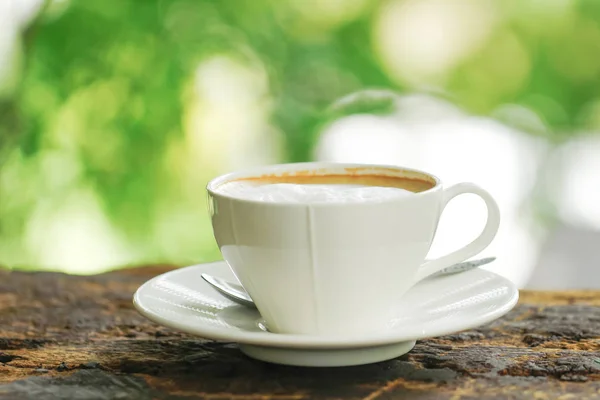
73	337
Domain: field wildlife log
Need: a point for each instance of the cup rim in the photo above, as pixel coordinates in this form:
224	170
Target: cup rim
214	183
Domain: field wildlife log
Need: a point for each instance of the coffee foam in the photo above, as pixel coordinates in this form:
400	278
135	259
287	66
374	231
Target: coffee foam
310	193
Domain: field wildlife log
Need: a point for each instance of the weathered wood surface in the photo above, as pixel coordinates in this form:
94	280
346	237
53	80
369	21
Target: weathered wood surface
69	337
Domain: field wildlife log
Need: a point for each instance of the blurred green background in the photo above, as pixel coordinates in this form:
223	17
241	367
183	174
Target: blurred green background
114	114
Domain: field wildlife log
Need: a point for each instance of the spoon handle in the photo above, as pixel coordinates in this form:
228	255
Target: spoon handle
464	266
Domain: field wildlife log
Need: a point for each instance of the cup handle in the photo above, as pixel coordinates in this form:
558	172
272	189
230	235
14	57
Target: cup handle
477	245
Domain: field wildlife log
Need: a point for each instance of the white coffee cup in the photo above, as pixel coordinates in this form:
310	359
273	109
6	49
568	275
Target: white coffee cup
335	268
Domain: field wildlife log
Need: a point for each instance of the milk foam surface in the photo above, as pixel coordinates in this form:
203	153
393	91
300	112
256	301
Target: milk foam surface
310	193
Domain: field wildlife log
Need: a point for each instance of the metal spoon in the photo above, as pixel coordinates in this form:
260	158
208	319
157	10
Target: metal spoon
238	294
232	291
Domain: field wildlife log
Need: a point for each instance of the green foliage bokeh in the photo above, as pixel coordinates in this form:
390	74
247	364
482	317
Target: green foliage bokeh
105	86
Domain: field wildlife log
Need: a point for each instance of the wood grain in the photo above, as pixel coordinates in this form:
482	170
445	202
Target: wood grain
78	337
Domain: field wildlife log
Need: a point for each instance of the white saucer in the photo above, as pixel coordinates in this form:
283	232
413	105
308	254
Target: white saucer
182	300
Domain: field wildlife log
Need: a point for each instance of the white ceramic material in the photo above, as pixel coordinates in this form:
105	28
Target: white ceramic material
236	292
436	306
316	268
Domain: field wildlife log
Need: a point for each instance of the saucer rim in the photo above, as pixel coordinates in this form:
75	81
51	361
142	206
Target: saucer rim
285	340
